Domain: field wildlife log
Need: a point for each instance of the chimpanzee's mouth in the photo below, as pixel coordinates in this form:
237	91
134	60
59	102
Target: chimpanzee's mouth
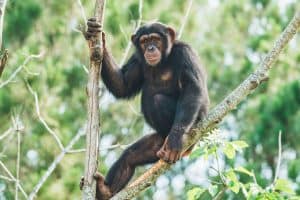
152	58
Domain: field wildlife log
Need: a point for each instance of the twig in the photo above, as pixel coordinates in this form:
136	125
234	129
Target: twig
217	114
6	133
54	164
186	16
82	11
82	27
85	69
220	194
37	107
279	157
6	178
122	146
138	24
18	163
13	178
13	75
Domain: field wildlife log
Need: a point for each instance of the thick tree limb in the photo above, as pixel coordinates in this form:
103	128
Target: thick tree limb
93	129
217	114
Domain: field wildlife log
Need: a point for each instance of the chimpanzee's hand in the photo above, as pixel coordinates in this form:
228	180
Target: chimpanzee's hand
168	154
94	28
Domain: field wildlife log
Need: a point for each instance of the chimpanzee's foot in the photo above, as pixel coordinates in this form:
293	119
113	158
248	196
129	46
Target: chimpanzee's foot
102	191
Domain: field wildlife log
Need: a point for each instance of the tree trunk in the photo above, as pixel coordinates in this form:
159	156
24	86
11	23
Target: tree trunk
93	123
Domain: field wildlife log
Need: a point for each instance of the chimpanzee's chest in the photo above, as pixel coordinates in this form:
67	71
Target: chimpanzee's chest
158	80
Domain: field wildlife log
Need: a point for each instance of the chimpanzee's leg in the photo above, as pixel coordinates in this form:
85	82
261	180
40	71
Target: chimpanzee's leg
140	153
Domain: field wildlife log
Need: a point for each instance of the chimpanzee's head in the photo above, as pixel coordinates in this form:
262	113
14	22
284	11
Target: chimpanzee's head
154	41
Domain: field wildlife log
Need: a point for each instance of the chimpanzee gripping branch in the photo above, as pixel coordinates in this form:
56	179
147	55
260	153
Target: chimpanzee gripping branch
217	114
93	129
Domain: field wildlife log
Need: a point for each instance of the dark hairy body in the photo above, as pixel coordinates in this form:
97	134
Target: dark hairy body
174	97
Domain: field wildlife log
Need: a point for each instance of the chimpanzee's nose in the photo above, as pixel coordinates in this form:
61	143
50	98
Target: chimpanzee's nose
150	48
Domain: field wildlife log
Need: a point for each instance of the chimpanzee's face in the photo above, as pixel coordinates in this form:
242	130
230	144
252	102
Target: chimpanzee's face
152	47
154	42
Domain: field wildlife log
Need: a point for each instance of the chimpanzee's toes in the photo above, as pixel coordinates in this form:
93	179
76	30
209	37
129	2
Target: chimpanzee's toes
98	177
81	183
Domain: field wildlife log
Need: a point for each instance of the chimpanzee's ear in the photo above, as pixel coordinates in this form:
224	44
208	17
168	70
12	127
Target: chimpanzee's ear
172	34
133	38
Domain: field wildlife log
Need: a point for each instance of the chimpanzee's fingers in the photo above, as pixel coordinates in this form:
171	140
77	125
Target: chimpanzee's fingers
172	157
178	156
94	24
91	34
92	19
93	29
169	158
160	153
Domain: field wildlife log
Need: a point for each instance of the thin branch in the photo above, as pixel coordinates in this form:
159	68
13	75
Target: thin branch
37	107
82	27
54	164
185	19
138	24
82	11
6	133
218	113
14	74
18	164
13	179
121	146
6	178
279	157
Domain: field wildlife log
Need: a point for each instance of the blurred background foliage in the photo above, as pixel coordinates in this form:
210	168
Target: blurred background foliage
231	38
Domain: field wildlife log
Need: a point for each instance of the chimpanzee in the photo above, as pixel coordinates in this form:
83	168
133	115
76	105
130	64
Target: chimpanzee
174	97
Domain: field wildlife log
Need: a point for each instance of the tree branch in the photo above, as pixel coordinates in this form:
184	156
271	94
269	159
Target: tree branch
54	164
186	16
15	73
92	133
138	24
42	120
217	114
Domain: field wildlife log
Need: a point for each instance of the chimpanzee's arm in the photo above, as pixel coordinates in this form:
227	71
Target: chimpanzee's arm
125	82
193	98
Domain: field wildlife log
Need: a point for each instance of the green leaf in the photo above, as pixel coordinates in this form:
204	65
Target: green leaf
213	190
234	184
229	151
283	186
205	196
239	145
212	150
195	193
197	153
244	170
